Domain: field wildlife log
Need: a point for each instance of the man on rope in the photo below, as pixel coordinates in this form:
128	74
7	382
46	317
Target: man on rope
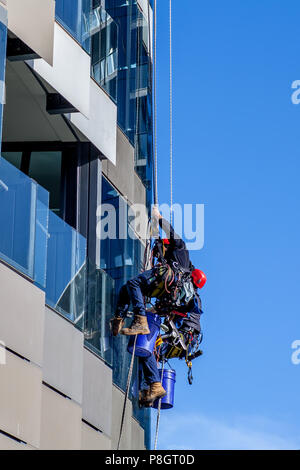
177	258
190	328
176	255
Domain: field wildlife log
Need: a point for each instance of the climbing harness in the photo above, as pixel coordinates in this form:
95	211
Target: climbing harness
127	392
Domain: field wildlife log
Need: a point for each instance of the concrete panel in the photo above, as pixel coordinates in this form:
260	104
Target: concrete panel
20	399
101	126
33	22
137	436
139	196
25	97
118	402
63	356
122	175
97	393
60	422
22	311
70	74
6	443
93	440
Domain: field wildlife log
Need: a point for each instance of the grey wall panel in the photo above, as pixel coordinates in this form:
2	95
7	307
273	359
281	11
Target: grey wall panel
6	443
137	436
118	402
33	22
93	440
97	393
100	126
20	399
123	175
63	356
60	422
22	311
70	74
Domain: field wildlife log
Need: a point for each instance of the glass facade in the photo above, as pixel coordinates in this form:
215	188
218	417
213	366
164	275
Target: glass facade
3	39
134	87
74	16
116	34
104	50
121	258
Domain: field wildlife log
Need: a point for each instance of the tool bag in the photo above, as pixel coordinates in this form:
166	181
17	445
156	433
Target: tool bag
163	274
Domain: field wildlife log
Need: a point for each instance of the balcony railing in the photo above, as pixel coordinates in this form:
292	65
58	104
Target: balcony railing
66	270
24	212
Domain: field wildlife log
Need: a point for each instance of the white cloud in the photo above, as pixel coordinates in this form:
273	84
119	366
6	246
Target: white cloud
200	432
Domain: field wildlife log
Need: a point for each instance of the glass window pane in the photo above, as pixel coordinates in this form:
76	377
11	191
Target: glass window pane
45	168
15	158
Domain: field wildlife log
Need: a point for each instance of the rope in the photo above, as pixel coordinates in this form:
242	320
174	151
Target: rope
159	408
171	114
155	103
127	392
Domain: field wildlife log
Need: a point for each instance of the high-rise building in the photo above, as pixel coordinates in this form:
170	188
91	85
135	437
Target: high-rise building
76	138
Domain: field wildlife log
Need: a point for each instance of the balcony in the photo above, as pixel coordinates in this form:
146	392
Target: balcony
41	246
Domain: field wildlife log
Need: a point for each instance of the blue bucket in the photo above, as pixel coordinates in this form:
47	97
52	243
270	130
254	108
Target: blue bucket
168	383
145	343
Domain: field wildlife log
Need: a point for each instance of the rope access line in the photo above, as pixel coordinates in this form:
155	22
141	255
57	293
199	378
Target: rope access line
154	100
158	409
171	113
127	392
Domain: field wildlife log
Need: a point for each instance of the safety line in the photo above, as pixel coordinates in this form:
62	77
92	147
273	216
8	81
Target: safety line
171	114
127	391
159	408
155	102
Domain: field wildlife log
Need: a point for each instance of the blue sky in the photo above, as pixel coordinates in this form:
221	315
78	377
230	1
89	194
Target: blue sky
237	150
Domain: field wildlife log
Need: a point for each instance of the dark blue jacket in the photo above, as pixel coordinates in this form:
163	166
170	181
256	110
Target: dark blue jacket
177	251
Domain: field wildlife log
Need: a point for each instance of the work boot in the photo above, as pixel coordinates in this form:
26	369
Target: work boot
143	394
116	324
139	326
156	391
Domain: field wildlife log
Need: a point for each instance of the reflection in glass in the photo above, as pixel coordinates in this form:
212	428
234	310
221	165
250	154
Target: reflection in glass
23	222
74	16
66	270
100	309
104	44
134	87
45	167
15	158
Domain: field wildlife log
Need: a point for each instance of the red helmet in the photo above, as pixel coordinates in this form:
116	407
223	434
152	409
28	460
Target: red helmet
166	241
199	278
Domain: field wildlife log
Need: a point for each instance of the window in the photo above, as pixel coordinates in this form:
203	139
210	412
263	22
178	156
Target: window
45	168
